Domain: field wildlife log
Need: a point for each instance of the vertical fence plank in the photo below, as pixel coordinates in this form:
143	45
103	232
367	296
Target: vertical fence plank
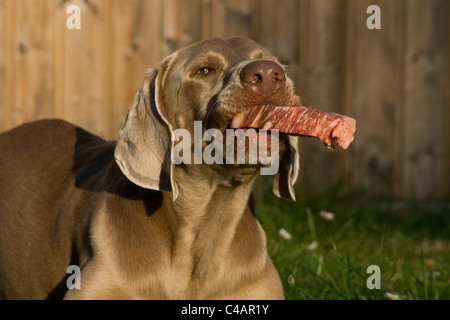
33	61
322	45
82	76
207	18
3	64
229	18
238	21
58	60
425	98
94	49
182	24
130	54
217	23
170	27
72	59
155	33
190	15
375	77
110	131
278	30
10	79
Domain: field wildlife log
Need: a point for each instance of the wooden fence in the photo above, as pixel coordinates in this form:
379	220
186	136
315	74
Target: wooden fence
395	80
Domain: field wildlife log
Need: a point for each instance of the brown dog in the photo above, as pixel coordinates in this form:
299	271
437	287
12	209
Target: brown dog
138	225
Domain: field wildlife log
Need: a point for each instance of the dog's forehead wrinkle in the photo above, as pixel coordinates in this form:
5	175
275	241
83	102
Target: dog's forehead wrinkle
231	51
258	54
204	59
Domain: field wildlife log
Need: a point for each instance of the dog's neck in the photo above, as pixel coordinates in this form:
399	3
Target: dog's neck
207	213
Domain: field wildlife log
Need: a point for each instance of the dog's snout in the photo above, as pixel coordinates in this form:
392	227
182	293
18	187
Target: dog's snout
263	77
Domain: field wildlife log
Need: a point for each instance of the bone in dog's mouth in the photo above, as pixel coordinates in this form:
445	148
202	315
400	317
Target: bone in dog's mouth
330	128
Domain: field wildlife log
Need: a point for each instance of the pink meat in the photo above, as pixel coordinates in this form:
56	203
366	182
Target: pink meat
330	128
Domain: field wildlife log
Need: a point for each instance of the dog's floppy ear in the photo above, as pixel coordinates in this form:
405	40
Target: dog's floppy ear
144	147
284	180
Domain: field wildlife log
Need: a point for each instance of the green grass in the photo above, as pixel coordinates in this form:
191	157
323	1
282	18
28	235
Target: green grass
328	259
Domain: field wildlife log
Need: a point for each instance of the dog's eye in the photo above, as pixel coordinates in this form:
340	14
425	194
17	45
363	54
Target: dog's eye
204	71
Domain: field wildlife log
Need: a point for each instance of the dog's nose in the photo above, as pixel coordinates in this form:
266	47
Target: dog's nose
263	77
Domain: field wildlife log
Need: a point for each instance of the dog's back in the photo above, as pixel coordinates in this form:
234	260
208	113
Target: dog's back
37	165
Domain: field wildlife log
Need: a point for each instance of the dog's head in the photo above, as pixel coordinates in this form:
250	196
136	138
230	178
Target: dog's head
206	83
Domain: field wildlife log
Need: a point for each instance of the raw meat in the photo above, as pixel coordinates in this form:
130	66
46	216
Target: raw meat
330	128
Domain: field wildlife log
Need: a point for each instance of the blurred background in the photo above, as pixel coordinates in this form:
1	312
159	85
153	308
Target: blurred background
395	81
